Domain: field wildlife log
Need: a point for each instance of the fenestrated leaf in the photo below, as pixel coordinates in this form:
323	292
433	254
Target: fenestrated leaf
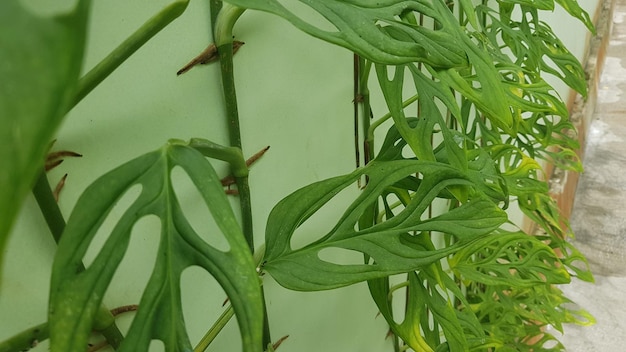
570	256
418	133
572	7
372	29
506	313
520	172
430	309
41	61
390	244
528	92
480	166
75	296
535	47
568	68
515	259
538	4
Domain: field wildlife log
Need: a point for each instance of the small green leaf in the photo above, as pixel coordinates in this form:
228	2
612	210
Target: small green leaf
430	308
572	7
515	259
75	296
390	245
509	312
41	61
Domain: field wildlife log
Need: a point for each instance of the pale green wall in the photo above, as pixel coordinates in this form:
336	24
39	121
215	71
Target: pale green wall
295	95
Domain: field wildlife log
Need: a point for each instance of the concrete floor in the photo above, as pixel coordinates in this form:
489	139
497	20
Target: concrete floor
599	215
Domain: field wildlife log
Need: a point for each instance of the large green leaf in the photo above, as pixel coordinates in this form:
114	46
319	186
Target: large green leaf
479	165
41	61
75	296
372	29
390	245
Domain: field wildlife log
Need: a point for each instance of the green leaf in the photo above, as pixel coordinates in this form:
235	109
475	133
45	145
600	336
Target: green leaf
538	4
515	259
390	245
510	312
75	296
41	61
372	29
429	308
520	172
568	68
419	133
530	42
572	7
480	166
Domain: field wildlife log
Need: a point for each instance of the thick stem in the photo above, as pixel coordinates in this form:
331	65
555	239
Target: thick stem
234	132
215	6
148	30
224	23
26	339
223	36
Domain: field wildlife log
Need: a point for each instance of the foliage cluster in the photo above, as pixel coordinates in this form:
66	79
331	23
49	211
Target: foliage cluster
472	119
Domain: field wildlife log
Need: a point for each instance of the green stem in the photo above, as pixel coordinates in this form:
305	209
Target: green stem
232	155
26	339
215	7
227	314
387	116
215	330
30	337
224	23
104	322
223	36
49	207
369	218
225	51
148	30
364	93
267	336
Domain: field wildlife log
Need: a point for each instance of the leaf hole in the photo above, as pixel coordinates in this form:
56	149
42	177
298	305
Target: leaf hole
398	295
202	298
324	220
196	211
49	8
109	223
391	73
550	345
392	206
438	206
156	346
132	275
407	152
579	265
341	256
